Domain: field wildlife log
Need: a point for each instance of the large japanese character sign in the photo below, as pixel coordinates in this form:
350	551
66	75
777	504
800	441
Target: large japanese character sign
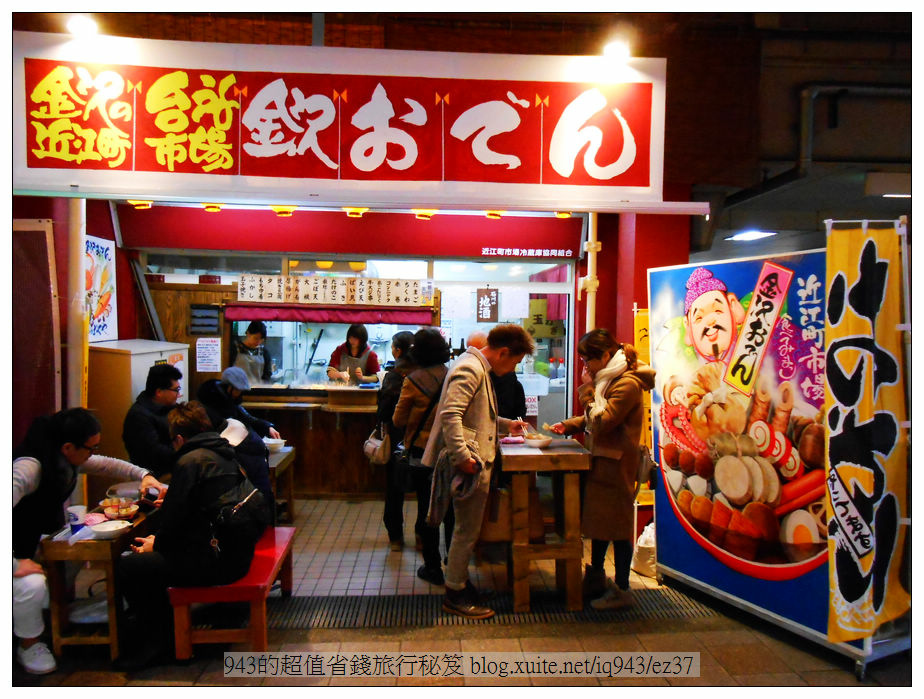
867	448
737	411
329	127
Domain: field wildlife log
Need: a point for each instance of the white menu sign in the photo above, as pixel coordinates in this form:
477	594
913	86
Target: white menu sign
208	354
333	291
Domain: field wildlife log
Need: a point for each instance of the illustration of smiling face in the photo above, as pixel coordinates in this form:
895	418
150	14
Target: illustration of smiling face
710	323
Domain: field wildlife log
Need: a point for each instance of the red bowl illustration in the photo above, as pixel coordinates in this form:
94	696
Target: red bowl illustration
754	569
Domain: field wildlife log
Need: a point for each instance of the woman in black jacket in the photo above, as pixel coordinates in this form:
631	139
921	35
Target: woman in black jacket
189	550
395	483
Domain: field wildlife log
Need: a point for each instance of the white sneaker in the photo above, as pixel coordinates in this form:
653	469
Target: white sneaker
613	598
36	659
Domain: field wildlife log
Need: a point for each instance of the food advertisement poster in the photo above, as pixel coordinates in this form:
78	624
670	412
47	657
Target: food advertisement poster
868	515
737	411
99	265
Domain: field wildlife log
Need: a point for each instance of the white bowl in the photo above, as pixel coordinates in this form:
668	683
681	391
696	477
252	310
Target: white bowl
274	444
110	529
537	441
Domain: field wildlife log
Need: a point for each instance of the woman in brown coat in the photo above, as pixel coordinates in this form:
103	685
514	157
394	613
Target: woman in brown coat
611	395
415	413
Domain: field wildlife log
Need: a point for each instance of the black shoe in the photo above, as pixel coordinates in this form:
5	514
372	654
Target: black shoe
477	595
594	583
459	602
146	655
434	576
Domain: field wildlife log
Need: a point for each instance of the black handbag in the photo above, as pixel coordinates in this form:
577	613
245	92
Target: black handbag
238	516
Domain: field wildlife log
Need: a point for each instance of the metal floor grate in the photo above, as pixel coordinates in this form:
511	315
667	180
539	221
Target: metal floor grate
358	612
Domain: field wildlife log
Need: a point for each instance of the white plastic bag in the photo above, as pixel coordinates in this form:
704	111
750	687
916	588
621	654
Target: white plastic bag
645	560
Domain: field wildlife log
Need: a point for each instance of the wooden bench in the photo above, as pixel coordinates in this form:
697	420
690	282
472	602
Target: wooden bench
272	560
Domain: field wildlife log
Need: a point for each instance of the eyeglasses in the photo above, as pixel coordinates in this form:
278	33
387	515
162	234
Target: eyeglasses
175	390
89	448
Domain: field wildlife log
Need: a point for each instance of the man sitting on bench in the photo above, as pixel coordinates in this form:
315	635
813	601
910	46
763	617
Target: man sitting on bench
199	540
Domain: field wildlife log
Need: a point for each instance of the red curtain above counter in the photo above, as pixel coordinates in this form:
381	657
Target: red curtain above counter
329	314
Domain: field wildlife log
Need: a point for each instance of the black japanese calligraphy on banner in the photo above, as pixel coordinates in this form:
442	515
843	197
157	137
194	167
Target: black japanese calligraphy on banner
765	306
867	433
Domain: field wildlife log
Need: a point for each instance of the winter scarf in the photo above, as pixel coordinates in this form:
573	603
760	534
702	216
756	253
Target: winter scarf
613	370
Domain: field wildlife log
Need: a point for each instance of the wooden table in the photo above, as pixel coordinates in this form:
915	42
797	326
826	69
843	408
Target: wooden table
103	554
564	458
280	466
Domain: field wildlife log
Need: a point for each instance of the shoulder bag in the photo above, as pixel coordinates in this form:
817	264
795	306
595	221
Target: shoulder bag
377	446
645	466
404	460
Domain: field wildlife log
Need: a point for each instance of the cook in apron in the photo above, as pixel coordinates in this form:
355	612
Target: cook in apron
350	364
251	361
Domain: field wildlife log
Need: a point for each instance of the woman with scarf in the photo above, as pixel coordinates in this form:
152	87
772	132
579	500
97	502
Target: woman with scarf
611	395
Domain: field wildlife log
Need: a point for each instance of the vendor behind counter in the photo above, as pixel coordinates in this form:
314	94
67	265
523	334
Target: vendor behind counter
251	355
354	361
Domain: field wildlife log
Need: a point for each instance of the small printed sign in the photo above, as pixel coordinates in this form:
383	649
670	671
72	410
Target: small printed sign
487	306
208	354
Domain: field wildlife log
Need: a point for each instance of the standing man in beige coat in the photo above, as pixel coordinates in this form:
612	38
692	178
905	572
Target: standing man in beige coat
463	441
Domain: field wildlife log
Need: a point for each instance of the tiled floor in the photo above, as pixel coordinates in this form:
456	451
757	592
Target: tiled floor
341	549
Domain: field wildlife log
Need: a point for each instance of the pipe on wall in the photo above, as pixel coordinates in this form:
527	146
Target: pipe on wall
590	282
808	96
77	317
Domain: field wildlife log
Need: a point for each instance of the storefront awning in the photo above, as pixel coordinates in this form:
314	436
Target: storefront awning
329	314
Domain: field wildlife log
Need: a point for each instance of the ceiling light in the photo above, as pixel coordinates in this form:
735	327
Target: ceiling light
355	211
324	264
617	51
357	266
515	270
423	214
562	214
494	215
896	196
293	263
81	25
140	203
744	236
490	267
212	208
283	210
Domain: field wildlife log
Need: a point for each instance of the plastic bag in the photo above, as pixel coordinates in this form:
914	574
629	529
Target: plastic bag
645	559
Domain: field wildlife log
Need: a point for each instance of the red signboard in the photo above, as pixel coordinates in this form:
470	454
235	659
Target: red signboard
330	127
341	127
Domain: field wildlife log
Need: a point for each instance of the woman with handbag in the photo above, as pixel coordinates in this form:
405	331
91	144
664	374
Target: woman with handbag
395	486
614	382
414	412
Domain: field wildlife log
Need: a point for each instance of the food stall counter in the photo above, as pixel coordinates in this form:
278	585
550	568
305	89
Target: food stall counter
327	424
